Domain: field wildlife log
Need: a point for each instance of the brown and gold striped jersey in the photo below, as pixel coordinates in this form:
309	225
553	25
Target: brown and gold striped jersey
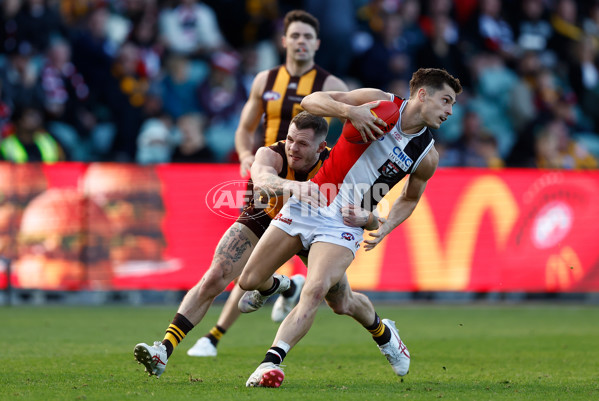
282	97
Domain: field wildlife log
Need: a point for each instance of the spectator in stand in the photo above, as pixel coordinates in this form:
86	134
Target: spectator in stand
247	22
178	86
494	82
435	8
93	53
440	51
30	142
532	29
127	96
337	26
567	30
9	9
192	146
191	29
221	97
66	101
144	35
155	141
556	149
584	78
477	147
39	23
489	31
20	76
6	109
387	58
413	36
590	23
522	109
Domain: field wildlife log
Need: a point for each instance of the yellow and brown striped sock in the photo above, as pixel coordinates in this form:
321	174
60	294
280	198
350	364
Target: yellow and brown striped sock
176	332
380	333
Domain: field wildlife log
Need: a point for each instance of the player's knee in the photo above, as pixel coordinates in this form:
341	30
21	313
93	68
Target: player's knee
215	279
313	294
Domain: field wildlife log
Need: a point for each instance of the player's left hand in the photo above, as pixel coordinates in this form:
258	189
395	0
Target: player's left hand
376	236
308	192
354	216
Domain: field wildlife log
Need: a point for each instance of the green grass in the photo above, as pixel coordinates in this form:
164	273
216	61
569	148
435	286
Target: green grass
474	352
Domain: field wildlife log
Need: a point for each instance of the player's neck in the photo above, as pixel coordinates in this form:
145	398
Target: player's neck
411	122
297	69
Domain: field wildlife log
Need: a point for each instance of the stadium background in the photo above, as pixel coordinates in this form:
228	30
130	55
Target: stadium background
126	93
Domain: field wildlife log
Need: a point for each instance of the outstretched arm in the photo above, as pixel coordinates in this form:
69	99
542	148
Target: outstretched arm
265	175
250	118
403	207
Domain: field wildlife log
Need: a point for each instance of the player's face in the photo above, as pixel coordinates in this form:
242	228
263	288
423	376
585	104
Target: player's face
438	106
301	148
301	42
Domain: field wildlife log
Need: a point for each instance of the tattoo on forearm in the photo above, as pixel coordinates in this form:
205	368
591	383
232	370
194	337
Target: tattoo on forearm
233	245
272	185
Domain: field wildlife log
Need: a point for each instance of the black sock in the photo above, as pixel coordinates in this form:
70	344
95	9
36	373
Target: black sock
290	291
176	332
275	355
215	334
380	333
272	289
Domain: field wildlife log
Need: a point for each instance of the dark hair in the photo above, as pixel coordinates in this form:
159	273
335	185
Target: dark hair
301	16
433	78
305	120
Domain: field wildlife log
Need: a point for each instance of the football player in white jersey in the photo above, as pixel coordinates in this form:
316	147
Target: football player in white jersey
433	93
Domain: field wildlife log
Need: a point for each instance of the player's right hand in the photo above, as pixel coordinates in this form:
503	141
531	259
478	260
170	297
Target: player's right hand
367	124
245	165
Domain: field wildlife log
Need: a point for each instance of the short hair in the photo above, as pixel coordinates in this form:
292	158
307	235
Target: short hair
305	120
301	16
433	78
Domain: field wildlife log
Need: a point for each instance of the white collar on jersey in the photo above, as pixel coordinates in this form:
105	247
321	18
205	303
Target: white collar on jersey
398	125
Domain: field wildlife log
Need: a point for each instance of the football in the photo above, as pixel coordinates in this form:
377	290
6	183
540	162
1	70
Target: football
387	110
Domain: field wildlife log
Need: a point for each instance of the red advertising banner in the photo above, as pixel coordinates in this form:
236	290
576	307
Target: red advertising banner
71	226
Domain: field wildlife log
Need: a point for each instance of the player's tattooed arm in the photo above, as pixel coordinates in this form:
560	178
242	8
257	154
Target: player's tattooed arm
265	175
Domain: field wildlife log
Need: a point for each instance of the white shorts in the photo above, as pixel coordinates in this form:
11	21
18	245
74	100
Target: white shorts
317	225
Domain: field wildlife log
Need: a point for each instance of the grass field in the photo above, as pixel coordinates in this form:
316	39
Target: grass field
459	352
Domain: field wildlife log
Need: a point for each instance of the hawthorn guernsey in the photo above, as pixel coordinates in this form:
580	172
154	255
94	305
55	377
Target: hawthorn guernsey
361	174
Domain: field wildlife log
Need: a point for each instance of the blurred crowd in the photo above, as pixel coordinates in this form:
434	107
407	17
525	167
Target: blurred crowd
155	81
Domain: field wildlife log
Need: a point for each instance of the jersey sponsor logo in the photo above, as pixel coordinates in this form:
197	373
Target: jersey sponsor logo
357	245
347	236
389	169
401	158
282	219
271	96
292	85
297	99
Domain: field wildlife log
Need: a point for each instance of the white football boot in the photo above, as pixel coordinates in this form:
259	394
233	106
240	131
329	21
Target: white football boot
153	358
202	347
283	305
395	351
266	375
251	301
